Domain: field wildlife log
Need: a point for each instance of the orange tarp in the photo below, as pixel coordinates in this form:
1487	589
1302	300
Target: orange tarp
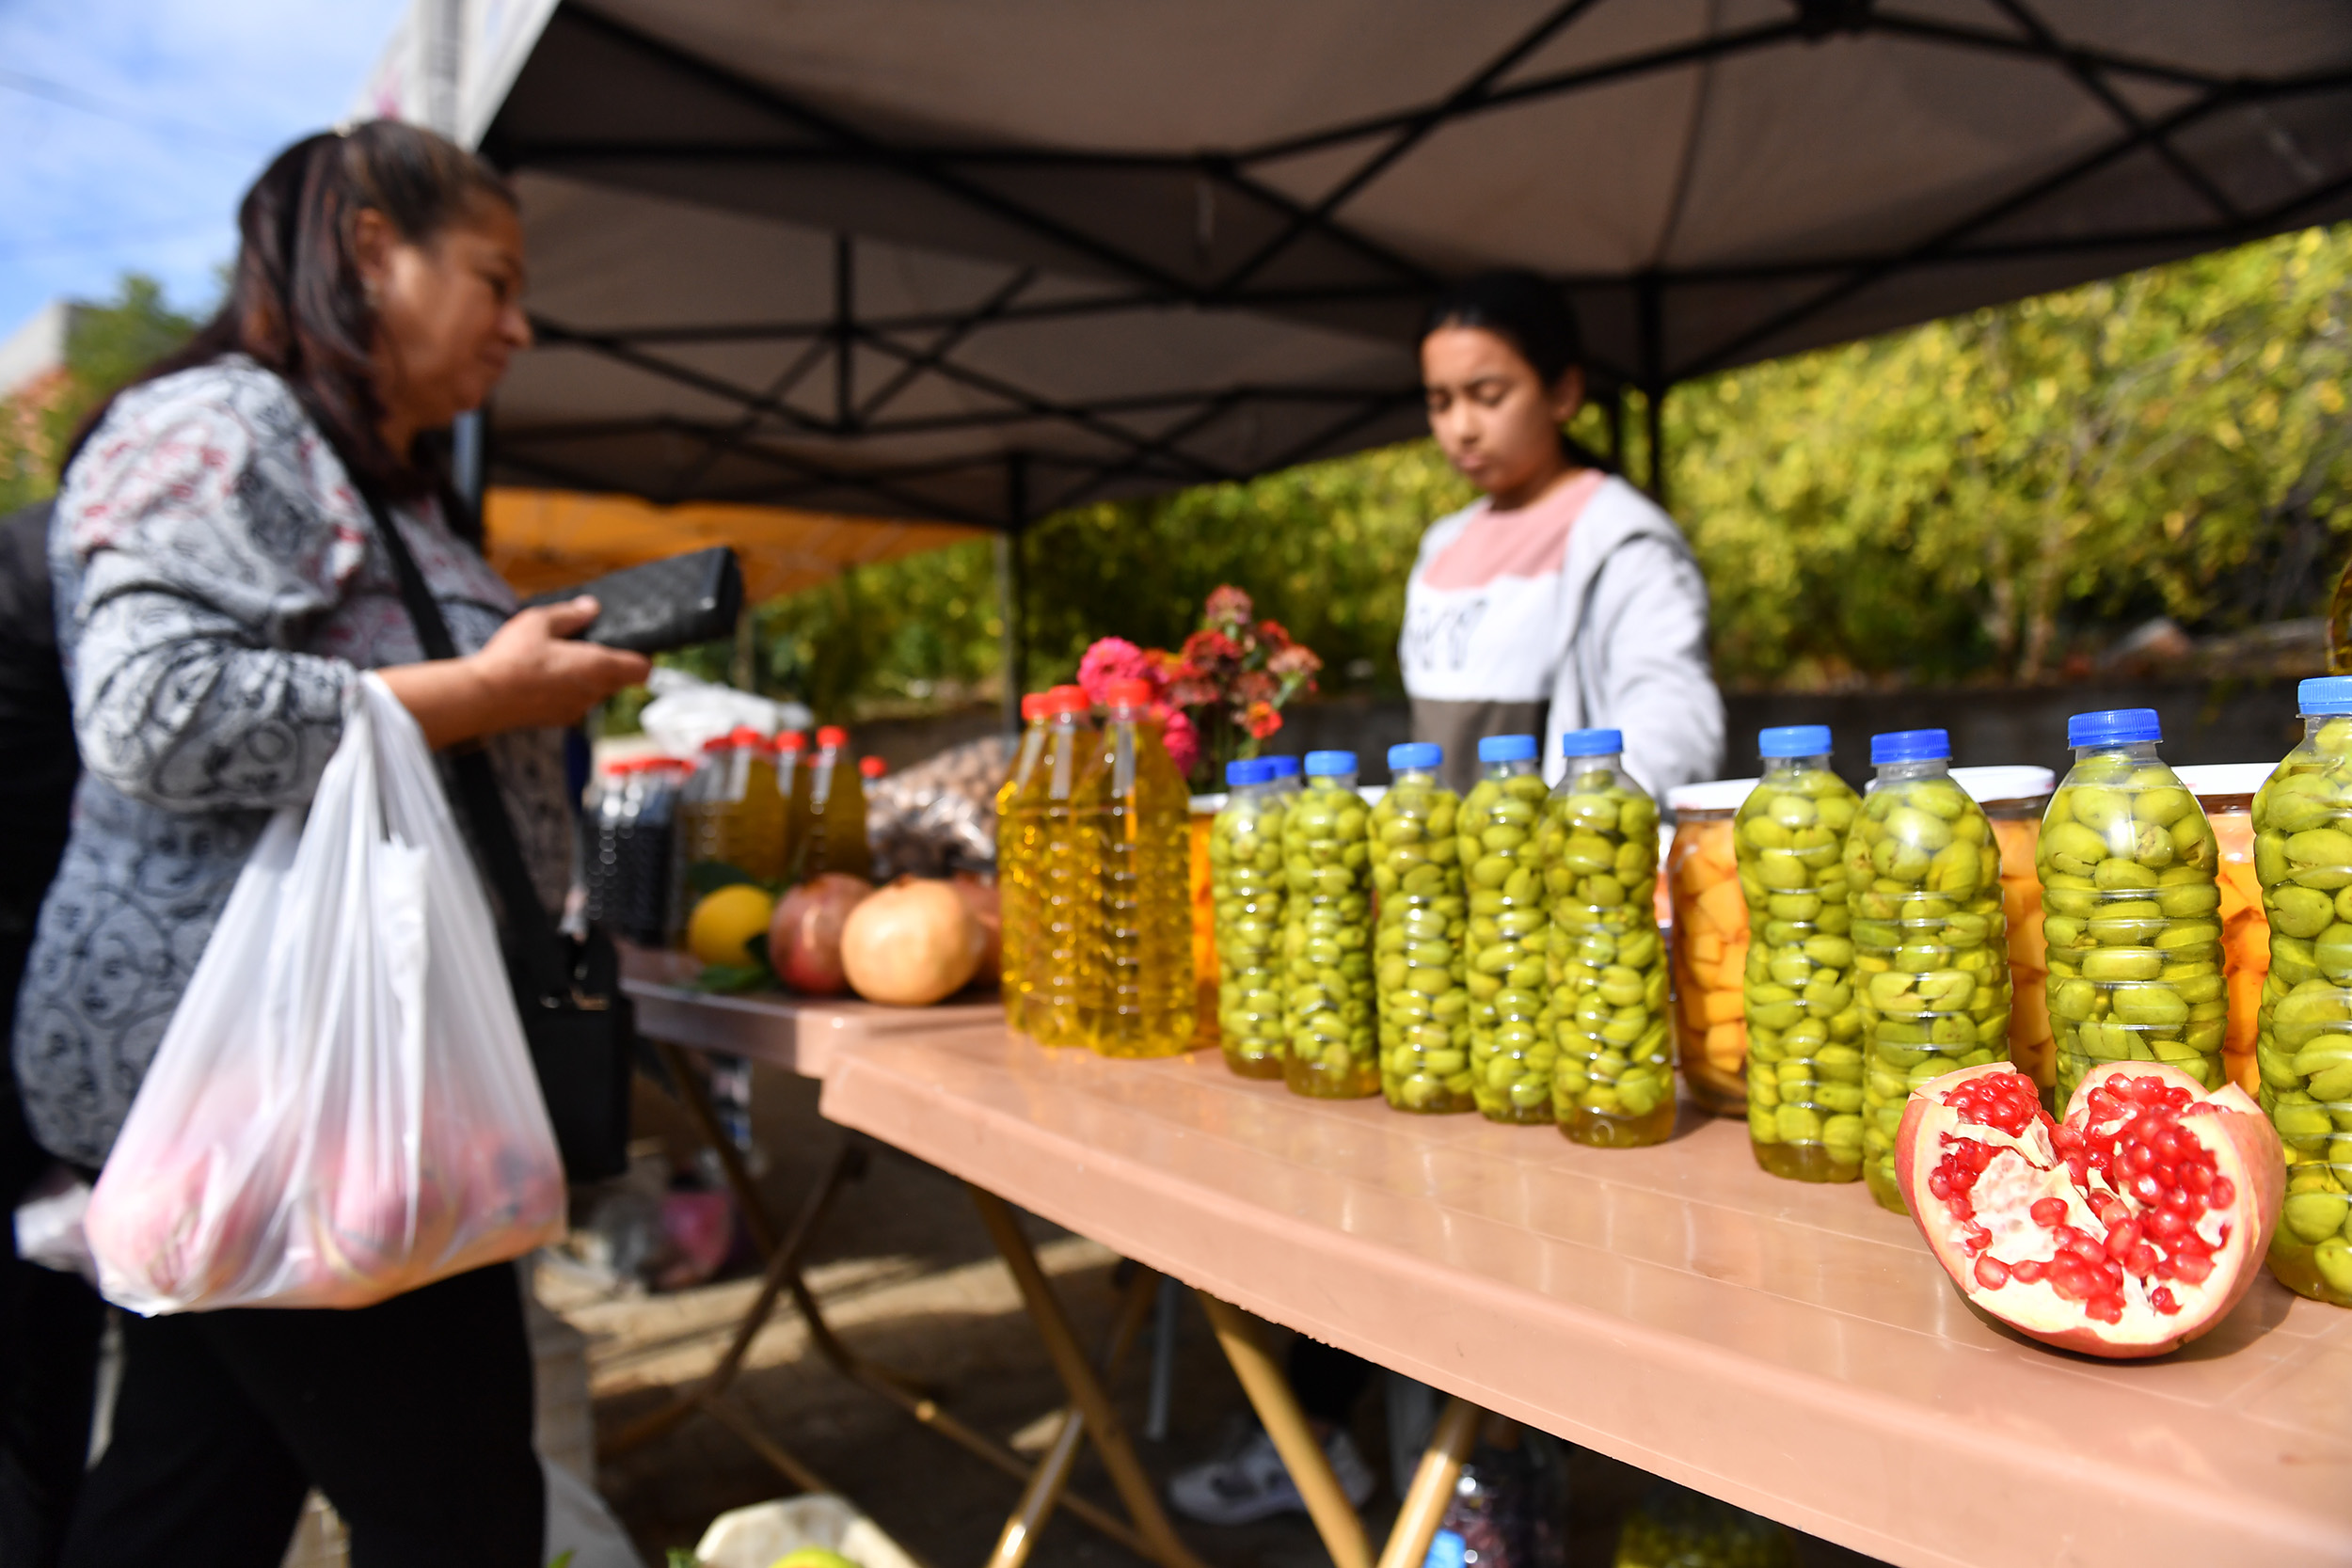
546	539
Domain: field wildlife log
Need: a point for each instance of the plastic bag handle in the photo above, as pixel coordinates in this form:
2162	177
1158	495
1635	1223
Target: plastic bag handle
531	934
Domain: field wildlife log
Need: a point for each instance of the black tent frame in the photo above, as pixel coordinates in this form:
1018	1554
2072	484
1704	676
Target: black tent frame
925	344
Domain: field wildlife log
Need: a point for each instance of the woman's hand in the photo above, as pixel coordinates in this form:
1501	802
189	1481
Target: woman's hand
531	675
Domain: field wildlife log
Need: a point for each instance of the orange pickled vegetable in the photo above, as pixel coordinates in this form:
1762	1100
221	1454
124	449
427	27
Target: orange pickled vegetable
2244	944
2032	1048
1710	956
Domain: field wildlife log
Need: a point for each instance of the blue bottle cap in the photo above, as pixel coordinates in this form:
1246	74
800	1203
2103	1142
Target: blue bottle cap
2325	695
2114	726
1247	770
1421	757
1793	740
1323	765
1507	748
1592	743
1911	746
1284	766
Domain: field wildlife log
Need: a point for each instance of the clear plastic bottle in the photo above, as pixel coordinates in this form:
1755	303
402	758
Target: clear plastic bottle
1065	917
790	751
1931	942
2131	908
830	835
1613	1084
1805	1026
1328	1007
627	846
1285	780
1510	1055
2225	792
732	815
1710	945
1246	884
2303	858
1137	816
1417	934
1016	877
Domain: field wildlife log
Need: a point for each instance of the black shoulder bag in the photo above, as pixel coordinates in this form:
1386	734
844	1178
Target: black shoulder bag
580	1028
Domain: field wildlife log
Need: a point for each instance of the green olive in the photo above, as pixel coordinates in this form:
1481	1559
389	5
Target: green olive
2127	863
1329	1030
2303	860
1247	892
1423	1002
1511	1052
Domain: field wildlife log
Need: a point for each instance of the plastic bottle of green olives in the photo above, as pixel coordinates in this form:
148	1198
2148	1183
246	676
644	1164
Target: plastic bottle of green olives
1246	882
2131	909
1417	943
1613	1084
2303	860
1804	1027
1930	943
1511	1056
1327	934
1284	779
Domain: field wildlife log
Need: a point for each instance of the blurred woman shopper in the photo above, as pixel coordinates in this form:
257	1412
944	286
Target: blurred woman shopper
1563	599
222	587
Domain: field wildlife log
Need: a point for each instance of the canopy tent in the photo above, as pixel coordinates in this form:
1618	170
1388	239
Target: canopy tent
979	262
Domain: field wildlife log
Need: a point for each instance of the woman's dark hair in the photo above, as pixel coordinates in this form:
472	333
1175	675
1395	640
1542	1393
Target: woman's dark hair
1523	309
296	304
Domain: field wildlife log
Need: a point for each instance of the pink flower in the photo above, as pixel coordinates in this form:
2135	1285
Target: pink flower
1229	607
1114	658
1181	740
1295	659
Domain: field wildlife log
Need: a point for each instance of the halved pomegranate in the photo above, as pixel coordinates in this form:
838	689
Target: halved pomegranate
2127	1231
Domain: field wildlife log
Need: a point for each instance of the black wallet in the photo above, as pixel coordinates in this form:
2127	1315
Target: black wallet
663	605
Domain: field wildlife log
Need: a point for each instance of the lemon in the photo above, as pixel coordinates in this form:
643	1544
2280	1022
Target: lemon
726	921
812	1556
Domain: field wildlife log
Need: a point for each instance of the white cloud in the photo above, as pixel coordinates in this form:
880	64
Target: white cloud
201	91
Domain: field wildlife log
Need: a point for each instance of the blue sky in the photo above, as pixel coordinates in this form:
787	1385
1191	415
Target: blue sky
172	107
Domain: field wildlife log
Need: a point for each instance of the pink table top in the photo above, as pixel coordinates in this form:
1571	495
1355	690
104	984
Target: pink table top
1791	1349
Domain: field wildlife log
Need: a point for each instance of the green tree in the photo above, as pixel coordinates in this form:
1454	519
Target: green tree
106	345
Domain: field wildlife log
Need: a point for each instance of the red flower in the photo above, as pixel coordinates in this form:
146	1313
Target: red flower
1181	740
1229	607
1209	647
1261	720
1114	658
1271	632
1255	686
1293	660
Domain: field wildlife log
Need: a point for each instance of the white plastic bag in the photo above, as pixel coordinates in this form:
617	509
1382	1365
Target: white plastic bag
685	712
342	1108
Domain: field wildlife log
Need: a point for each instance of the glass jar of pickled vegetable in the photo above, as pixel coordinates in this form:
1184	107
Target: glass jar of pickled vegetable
2303	859
1613	1083
1804	1027
1246	884
1708	946
1931	945
2130	907
1511	1057
2013	800
1327	934
1417	943
2225	792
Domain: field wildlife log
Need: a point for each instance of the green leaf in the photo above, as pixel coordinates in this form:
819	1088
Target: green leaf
728	979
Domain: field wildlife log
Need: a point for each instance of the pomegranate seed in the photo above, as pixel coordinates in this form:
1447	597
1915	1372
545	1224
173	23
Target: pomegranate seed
2182	1201
2028	1270
2088	1249
2165	1223
2146	1188
1939	1184
2141	1261
2123	1238
2048	1211
2137	1158
2222	1194
2161	1299
1974	1236
1992	1272
2197	1177
2106	1308
2192	1268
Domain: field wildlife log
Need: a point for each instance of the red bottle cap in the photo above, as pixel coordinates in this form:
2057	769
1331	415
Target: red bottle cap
718	743
792	740
1067	699
873	768
743	734
1032	708
833	735
1128	693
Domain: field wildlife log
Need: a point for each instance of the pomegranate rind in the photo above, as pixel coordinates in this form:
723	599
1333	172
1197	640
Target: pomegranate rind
2225	1123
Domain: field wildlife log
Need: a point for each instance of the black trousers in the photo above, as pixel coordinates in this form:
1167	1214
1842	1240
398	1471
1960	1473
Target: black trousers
413	1415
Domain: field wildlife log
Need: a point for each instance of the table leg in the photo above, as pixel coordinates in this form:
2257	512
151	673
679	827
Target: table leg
1425	1500
1044	1492
1085	1391
696	1099
1270	1395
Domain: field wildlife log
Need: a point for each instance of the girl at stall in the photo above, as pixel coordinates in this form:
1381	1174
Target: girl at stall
221	588
1563	598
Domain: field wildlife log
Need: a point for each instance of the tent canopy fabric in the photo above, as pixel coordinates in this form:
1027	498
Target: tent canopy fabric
542	540
918	258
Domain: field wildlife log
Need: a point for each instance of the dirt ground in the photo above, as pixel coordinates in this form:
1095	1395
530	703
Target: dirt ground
906	1274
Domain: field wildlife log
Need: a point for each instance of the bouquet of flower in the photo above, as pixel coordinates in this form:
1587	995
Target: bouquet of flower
1219	695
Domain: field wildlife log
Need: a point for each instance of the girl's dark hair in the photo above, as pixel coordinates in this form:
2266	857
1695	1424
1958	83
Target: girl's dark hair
296	304
1530	314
